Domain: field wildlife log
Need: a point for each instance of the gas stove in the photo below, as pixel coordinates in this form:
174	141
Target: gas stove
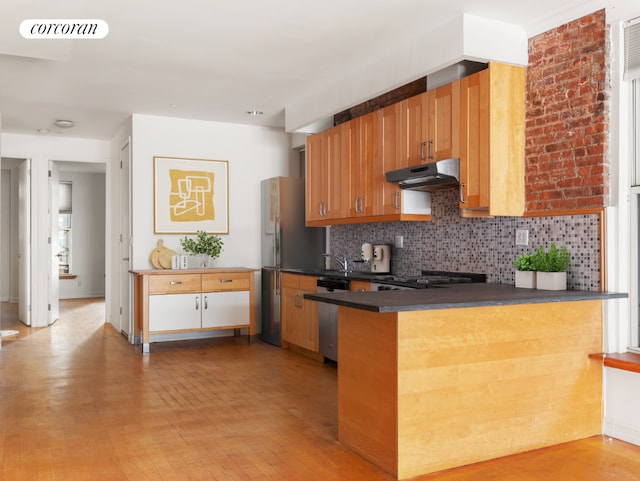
426	279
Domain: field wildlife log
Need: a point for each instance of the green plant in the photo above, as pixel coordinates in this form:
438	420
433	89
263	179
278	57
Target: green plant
210	244
556	260
524	262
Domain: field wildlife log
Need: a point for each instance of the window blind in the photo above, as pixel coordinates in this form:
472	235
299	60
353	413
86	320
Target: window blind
632	49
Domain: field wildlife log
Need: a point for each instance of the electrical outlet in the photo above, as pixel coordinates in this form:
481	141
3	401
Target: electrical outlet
522	237
399	242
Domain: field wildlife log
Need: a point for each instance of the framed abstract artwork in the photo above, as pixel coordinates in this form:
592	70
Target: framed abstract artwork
190	195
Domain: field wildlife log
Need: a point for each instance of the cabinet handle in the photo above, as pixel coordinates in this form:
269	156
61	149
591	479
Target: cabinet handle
429	153
422	151
224	281
206	302
175	283
462	201
320	209
396	200
325	208
197	303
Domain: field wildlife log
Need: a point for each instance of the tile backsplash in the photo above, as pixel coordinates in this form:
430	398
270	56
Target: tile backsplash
453	243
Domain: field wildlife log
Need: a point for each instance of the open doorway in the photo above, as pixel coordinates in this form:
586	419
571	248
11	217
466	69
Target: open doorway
15	234
81	229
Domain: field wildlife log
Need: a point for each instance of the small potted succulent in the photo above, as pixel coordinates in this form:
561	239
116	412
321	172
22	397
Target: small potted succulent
525	271
551	267
203	247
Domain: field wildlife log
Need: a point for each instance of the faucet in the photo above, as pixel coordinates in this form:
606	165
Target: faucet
344	266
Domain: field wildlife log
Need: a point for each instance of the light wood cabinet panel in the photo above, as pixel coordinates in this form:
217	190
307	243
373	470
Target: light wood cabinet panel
228	281
415	130
176	283
444	123
327	182
317	178
299	315
360	286
492	116
364	149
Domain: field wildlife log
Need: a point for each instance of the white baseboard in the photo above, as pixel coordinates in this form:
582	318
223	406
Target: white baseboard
629	434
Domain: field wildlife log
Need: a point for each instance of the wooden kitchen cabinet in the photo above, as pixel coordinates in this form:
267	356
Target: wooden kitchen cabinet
327	185
169	301
299	315
390	202
444	123
364	148
431	125
492	116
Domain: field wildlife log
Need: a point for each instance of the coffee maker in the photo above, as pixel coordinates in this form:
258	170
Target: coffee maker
379	255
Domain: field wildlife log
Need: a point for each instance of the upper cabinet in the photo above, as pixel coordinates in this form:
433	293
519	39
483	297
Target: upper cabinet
479	119
492	116
326	194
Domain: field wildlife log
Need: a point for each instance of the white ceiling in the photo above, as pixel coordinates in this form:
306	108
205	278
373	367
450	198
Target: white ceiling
213	59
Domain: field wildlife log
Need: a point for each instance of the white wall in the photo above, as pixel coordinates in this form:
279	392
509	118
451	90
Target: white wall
42	149
5	231
88	236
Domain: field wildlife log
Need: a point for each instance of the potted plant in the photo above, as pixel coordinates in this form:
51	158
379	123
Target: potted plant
203	247
525	271
551	268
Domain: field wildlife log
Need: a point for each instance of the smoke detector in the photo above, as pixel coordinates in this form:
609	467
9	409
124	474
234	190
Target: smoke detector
64	124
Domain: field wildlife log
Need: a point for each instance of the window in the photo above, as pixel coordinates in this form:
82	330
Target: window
64	227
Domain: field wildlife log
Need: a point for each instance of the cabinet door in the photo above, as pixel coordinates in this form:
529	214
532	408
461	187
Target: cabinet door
415	130
339	143
317	176
225	309
364	148
474	141
291	315
174	312
310	334
388	199
444	122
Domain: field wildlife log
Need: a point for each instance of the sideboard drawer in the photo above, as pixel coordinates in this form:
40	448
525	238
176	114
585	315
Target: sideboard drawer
171	284
225	281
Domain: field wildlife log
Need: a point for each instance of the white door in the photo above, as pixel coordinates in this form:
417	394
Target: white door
24	242
125	243
54	246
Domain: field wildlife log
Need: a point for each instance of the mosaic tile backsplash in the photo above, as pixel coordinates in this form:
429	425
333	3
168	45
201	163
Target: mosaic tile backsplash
453	243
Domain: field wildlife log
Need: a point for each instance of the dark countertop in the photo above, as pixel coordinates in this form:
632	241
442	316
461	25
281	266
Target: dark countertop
455	296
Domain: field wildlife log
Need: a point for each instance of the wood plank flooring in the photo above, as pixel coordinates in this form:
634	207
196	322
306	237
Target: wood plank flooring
77	402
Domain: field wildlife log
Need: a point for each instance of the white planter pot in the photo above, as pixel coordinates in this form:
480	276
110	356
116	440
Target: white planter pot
526	279
551	281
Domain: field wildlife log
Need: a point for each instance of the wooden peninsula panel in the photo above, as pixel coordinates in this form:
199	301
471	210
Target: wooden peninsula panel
422	391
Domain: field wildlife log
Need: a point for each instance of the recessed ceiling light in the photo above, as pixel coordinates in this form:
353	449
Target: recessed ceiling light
64	124
254	112
43	131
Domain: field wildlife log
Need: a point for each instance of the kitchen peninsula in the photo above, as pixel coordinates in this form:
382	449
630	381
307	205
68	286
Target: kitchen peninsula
441	377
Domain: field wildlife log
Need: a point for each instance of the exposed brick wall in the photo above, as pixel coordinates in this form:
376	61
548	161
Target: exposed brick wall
567	120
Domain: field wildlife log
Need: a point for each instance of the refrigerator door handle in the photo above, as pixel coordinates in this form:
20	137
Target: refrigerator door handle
276	240
277	282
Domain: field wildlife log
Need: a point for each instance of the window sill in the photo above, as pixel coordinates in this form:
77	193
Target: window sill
627	361
67	276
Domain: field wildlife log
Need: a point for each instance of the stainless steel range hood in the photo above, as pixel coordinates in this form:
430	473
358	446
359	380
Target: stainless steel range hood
441	175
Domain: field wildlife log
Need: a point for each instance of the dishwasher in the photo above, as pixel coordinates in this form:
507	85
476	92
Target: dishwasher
328	317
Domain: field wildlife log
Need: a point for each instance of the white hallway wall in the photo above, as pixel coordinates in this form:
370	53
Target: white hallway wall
42	149
254	154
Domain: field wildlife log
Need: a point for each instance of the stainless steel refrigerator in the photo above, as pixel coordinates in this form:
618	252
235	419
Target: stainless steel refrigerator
286	244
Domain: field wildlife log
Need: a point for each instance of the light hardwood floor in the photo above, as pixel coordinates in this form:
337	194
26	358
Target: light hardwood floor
79	403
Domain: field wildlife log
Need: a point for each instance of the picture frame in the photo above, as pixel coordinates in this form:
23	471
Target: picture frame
190	195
